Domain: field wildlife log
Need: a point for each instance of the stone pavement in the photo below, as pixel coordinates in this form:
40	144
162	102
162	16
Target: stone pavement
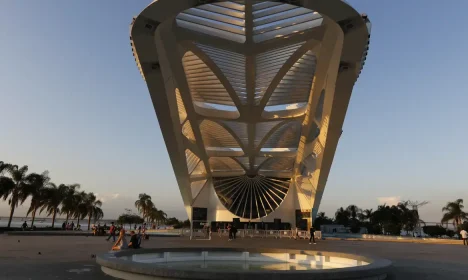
69	257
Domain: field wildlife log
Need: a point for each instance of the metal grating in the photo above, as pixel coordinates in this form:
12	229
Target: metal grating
196	187
296	84
278	164
192	160
251	197
233	67
268	64
180	107
276	20
224	164
187	131
285	136
225	20
204	86
215	135
200	169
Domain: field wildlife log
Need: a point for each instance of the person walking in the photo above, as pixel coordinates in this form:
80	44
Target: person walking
312	235
111	232
464	236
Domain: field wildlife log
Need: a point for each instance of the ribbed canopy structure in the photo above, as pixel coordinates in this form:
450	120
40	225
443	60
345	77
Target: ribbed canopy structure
246	95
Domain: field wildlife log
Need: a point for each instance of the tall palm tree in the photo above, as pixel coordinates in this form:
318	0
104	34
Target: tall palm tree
37	187
353	211
68	203
15	187
367	214
342	216
454	212
93	208
144	204
80	208
53	196
156	215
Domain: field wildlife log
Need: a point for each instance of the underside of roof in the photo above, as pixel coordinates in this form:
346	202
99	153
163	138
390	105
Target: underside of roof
244	90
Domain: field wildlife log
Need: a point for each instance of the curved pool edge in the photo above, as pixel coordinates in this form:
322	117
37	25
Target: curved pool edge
113	265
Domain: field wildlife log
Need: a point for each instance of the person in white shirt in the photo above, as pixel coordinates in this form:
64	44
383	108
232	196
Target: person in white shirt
464	236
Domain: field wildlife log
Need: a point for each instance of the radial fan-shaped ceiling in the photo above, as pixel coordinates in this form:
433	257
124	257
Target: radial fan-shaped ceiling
251	197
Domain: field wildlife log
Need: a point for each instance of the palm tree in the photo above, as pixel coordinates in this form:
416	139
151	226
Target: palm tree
37	186
156	215
454	212
80	208
93	208
53	197
342	216
144	204
14	187
68	203
365	215
353	211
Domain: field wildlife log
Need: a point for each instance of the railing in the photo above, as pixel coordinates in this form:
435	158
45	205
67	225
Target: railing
251	233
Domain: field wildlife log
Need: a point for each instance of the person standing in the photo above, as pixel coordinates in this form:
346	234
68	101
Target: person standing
229	227
312	235
111	232
64	225
464	236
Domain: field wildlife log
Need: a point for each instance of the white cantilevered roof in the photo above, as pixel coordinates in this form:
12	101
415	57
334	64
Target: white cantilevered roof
254	120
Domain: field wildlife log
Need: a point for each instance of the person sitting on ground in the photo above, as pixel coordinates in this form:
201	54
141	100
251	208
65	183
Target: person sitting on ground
134	242
24	226
121	242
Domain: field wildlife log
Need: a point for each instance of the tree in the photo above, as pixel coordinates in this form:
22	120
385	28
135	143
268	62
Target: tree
93	208
144	205
454	213
353	211
80	210
68	202
53	197
321	219
435	231
37	190
15	187
129	218
157	216
342	216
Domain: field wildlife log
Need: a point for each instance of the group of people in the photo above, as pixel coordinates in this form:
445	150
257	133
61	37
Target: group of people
70	226
121	243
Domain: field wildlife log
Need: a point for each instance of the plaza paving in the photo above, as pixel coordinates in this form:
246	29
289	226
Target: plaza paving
69	257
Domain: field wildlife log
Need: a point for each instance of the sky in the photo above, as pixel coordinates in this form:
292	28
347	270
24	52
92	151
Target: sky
73	102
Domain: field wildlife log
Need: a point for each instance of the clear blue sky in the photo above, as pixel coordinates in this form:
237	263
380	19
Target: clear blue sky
73	102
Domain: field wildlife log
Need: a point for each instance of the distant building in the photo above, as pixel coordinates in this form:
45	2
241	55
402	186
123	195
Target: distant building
251	98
